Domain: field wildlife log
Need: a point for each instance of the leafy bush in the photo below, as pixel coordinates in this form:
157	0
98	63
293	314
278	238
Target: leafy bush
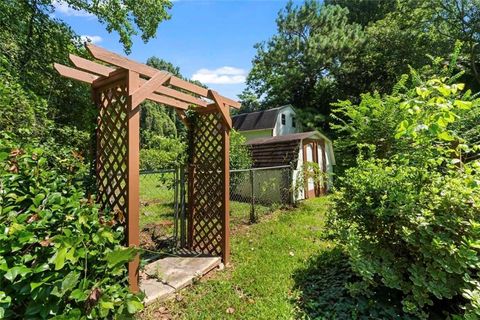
60	257
410	221
21	111
240	157
164	153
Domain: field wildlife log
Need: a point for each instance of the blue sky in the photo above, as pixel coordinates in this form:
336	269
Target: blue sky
210	40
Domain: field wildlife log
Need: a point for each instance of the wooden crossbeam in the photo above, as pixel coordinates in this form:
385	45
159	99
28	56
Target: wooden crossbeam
89	78
117	60
148	87
90	66
222	108
75	74
168	101
99	69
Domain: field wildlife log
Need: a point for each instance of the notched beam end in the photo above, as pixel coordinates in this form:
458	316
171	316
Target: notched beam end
75	74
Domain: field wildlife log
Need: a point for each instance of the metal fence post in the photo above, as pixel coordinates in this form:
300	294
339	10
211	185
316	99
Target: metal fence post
252	196
176	206
183	227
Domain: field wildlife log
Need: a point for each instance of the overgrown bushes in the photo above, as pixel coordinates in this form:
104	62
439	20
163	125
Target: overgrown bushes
410	217
60	257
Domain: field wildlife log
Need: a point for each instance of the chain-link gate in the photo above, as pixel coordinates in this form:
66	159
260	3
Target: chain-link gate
162	210
258	191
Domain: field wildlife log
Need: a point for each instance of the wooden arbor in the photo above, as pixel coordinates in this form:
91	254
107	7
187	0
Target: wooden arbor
118	89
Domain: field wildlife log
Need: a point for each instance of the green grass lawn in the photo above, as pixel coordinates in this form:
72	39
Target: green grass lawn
260	282
156	198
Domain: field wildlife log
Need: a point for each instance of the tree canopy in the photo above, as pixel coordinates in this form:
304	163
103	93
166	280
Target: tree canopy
340	49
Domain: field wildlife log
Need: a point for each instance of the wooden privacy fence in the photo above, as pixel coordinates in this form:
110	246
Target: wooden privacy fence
118	89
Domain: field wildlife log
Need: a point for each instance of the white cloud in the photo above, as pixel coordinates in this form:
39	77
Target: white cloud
92	39
223	75
65	9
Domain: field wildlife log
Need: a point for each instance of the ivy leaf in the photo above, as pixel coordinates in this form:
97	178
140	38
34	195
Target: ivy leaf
120	256
12	273
59	258
133	306
70	281
79	295
38	199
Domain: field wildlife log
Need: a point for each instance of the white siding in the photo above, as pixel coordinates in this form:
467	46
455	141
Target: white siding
282	129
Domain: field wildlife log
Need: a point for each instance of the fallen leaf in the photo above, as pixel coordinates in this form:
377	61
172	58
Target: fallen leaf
32	218
45	243
93	298
13	168
15	152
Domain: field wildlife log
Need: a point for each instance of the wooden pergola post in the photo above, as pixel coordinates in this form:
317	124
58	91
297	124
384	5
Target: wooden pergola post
133	177
118	89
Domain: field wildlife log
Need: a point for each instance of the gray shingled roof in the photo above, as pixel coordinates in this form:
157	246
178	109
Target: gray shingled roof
258	120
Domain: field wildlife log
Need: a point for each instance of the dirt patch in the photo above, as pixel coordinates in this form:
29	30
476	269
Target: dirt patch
156	236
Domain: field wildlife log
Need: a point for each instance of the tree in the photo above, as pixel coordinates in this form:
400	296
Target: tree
122	16
461	19
295	65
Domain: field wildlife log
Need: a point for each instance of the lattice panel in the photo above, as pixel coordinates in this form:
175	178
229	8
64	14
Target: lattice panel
206	194
111	162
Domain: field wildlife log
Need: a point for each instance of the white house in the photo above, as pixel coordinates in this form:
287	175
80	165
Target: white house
275	139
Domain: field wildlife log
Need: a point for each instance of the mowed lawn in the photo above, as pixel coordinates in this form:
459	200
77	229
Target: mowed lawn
260	282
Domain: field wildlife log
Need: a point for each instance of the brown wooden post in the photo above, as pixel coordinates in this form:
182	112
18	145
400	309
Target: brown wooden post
133	178
226	195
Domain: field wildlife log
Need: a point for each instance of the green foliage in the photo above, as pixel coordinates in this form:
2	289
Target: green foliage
373	121
123	16
240	157
21	111
156	120
310	171
293	67
59	258
164	153
324	283
409	217
342	48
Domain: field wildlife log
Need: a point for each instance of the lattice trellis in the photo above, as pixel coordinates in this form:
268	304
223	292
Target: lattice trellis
111	160
119	86
206	184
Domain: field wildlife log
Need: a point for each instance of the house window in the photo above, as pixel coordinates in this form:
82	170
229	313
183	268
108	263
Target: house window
294	122
283	119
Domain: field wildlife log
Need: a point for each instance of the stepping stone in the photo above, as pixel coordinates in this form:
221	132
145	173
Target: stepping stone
169	275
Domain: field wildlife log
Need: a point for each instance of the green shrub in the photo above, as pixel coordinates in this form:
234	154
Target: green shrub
164	153
240	157
411	221
59	255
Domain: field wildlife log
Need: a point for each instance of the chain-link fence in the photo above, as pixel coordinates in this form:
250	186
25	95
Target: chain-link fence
258	191
253	194
162	204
